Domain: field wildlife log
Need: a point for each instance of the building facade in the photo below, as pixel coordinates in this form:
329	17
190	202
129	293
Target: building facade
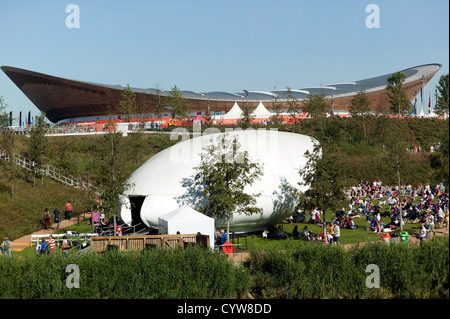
65	100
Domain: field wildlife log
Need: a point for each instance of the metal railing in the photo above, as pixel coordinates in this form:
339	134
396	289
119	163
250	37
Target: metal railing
46	170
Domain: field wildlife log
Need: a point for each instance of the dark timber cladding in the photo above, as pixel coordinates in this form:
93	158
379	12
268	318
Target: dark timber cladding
63	99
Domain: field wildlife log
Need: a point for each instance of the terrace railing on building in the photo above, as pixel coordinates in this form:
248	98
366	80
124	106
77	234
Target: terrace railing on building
130	243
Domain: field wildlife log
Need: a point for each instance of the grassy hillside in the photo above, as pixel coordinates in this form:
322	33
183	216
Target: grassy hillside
24	196
23	214
361	145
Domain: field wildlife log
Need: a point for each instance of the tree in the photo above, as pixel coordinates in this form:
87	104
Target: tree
399	103
179	106
158	112
4	117
245	122
397	138
38	140
127	105
360	104
315	105
7	145
223	173
294	108
110	170
276	119
443	96
325	178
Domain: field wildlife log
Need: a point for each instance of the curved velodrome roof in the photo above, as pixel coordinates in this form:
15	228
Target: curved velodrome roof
63	98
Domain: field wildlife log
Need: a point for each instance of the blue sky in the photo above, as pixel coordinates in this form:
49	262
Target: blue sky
228	45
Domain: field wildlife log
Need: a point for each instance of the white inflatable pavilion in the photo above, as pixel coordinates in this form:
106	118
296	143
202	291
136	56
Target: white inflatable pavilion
163	183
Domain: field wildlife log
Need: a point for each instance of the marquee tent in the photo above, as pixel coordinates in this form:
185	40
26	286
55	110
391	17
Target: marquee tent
261	111
187	220
234	113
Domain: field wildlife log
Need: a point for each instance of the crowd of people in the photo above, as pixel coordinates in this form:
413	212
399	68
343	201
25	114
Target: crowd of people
426	205
68	208
48	248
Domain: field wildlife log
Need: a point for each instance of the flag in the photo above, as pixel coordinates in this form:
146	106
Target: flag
20	118
436	95
29	118
10	118
429	102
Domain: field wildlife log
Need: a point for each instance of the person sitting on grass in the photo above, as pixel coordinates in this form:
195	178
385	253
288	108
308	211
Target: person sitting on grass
281	234
305	233
295	232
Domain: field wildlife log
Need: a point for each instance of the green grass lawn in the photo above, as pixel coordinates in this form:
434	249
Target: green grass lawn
348	236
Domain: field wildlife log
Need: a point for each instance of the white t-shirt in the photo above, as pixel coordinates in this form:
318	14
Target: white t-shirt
337	231
423	232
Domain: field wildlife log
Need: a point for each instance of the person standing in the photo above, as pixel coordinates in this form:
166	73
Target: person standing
46	218
446	220
423	234
69	208
56	218
51	244
337	233
43	247
6	247
65	245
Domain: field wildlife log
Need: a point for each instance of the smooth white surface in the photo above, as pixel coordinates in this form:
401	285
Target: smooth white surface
187	221
161	178
261	111
234	113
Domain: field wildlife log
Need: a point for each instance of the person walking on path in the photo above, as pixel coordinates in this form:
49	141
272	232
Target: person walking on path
69	208
6	247
43	249
52	244
56	218
46	218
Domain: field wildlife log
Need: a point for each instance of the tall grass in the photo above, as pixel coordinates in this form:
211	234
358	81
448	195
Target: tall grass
317	271
163	274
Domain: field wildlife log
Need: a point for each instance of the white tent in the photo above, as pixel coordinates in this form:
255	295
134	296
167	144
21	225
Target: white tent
234	113
261	111
187	220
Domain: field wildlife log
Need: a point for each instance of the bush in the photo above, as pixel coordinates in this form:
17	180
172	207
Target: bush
161	274
318	271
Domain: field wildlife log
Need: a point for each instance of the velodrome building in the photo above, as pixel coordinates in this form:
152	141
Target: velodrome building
64	100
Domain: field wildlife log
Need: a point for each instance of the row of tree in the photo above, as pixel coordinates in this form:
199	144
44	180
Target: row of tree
316	105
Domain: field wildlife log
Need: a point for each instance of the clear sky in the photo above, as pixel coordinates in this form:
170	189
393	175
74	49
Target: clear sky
212	45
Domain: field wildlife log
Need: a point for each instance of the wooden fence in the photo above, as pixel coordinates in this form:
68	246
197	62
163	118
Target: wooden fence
125	243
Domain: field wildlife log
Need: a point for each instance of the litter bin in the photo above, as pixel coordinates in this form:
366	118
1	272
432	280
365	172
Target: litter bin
386	237
404	237
394	238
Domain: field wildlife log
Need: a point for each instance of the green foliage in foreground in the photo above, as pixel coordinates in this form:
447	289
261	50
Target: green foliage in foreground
317	271
298	270
156	274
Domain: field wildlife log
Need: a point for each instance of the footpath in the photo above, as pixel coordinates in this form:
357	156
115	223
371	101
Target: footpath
25	241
